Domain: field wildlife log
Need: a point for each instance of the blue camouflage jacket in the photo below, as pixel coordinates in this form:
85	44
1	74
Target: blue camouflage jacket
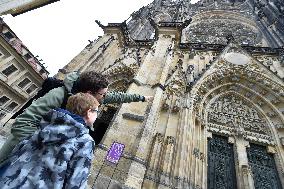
58	155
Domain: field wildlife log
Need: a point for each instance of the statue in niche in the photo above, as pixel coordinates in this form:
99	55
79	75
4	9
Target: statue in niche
176	106
189	73
255	127
254	113
226	105
213	107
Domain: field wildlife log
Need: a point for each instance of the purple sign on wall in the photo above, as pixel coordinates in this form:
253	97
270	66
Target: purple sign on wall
115	152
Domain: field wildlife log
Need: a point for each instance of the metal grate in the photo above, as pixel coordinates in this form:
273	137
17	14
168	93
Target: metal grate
221	166
263	167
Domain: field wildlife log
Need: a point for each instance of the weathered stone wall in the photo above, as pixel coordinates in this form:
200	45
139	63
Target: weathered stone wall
201	90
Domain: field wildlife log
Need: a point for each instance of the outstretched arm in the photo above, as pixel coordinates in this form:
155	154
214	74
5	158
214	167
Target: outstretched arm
119	97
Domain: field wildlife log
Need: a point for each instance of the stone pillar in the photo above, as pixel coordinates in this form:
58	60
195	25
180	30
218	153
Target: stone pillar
157	65
168	161
182	145
154	161
244	178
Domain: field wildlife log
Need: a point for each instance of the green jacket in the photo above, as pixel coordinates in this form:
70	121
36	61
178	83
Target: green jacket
26	123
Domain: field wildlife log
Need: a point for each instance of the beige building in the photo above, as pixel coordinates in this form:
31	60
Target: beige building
16	7
21	74
215	70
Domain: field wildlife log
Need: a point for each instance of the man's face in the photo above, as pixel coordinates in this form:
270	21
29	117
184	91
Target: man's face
100	95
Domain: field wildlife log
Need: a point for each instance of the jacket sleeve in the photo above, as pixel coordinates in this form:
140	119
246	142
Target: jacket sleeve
79	166
27	122
119	97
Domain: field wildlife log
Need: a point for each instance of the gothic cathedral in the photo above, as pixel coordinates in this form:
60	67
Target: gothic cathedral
215	69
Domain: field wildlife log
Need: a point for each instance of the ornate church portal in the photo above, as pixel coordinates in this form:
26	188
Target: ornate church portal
215	69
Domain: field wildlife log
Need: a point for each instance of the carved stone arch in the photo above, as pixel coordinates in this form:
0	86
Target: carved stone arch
242	115
266	140
237	87
121	72
252	78
162	17
252	71
120	85
239	75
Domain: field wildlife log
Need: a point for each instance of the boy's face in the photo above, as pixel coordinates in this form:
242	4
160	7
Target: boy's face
91	117
100	95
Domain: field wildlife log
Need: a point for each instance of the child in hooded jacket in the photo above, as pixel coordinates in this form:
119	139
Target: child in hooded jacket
59	154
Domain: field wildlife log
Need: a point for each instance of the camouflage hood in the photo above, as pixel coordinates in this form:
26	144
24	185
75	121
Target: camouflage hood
60	125
58	155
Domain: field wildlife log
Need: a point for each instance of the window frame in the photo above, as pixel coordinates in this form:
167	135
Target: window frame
8	106
2	71
8	35
2	105
30	87
26	85
2	114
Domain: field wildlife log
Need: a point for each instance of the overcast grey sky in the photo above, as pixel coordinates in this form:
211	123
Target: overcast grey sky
59	31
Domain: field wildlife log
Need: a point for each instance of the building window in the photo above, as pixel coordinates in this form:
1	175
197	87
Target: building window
31	88
42	71
11	106
3	100
8	35
24	83
2	114
27	56
9	70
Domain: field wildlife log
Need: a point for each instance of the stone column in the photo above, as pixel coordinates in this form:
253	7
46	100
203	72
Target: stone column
158	61
168	160
153	170
182	140
244	175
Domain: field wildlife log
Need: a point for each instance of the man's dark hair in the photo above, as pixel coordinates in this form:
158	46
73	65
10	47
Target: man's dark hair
90	81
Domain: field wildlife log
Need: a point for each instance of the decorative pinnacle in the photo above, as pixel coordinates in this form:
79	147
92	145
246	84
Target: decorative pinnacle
100	24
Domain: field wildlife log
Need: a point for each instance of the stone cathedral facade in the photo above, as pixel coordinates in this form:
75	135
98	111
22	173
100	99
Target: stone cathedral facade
215	69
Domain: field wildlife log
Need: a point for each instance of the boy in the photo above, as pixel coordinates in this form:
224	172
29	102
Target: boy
59	154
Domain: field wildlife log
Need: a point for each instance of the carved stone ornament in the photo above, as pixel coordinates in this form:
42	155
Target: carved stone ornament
221	74
170	140
176	84
246	169
231	111
159	137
